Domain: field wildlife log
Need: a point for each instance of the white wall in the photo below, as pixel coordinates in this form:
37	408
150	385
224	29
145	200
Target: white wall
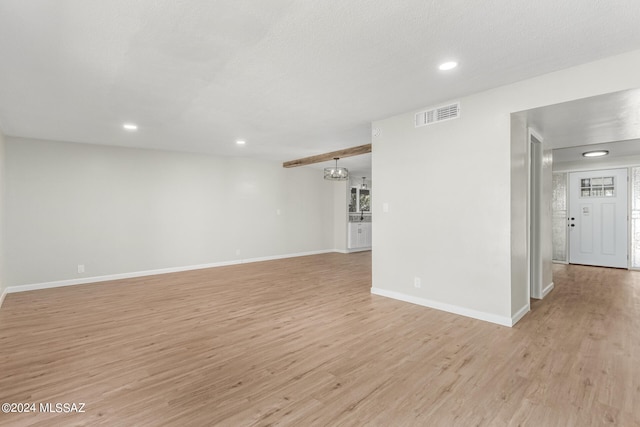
453	225
340	214
519	210
3	284
120	210
355	181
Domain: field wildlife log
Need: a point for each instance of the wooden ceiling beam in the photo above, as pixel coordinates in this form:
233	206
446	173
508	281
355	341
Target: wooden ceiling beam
347	152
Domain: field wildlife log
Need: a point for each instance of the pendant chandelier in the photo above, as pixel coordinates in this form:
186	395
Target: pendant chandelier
336	173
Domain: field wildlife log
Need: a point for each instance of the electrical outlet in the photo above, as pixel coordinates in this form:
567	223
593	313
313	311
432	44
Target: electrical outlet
80	268
237	251
417	282
278	212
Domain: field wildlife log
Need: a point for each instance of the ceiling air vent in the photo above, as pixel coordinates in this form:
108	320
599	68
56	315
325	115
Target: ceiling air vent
436	115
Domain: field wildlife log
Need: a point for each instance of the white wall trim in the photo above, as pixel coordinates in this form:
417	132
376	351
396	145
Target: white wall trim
520	314
535	216
87	280
4	294
480	315
368	248
548	289
342	251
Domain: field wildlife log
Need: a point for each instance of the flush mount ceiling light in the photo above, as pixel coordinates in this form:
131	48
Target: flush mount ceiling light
130	126
596	153
446	66
336	173
241	142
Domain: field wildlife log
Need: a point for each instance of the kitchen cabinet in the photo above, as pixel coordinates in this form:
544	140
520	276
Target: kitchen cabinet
359	235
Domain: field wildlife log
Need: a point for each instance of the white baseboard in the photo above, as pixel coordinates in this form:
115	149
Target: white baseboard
480	315
358	250
94	279
274	257
520	314
4	294
351	251
548	289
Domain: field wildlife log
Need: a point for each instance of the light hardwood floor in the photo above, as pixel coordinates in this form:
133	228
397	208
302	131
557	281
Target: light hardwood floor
302	342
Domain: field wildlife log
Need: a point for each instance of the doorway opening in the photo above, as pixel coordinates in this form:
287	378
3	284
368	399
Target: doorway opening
592	122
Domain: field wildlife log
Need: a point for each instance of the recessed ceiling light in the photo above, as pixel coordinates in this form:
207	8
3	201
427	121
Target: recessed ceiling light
448	65
130	126
597	153
241	142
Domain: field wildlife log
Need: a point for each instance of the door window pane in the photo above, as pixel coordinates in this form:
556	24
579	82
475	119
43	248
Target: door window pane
598	187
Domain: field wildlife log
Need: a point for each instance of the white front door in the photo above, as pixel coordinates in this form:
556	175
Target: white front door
598	218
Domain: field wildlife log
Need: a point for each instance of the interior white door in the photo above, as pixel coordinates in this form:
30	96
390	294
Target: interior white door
598	218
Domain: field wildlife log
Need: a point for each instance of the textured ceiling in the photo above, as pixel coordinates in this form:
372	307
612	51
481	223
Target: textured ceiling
292	78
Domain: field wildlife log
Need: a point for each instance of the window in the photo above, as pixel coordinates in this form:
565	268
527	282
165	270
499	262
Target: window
360	200
365	201
598	187
353	202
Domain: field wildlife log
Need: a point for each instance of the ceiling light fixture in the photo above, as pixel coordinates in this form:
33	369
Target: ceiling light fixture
241	142
446	66
597	153
336	173
130	126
